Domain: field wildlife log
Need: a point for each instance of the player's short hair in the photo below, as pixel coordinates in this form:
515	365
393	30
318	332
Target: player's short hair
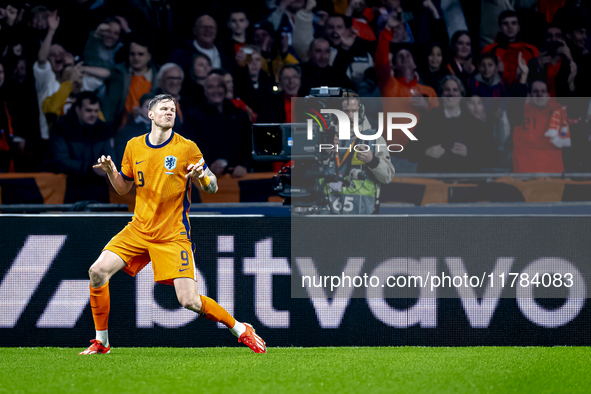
161	97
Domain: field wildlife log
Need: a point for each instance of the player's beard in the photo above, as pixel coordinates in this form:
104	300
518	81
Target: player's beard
164	126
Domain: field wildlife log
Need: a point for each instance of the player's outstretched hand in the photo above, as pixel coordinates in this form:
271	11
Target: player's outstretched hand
195	170
106	164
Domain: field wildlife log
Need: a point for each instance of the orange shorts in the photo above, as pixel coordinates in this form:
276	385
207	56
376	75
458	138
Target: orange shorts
170	260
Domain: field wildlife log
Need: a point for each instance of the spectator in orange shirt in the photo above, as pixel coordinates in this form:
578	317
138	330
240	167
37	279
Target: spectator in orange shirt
356	10
128	82
535	149
404	82
138	124
507	47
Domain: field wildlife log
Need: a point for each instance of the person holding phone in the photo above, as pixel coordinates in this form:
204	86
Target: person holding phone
555	64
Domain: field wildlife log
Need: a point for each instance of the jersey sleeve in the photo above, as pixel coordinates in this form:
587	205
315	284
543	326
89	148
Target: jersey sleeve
127	164
195	156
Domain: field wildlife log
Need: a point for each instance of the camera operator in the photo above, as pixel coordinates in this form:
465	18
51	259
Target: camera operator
363	171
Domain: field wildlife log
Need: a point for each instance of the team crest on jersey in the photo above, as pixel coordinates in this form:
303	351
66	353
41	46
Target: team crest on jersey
170	162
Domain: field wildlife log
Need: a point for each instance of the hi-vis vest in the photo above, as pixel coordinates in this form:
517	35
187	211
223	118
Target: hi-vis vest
361	196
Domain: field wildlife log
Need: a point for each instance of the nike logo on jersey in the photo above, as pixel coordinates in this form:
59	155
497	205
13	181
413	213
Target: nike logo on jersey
180	270
138	162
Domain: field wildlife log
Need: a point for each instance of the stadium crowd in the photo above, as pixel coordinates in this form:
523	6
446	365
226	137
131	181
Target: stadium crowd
498	85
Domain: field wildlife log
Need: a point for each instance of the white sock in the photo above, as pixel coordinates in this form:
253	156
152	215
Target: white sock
103	336
237	330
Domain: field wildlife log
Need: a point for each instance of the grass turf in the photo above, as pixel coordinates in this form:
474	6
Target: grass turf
342	370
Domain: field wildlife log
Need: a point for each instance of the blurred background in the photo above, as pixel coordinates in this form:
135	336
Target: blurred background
76	77
501	89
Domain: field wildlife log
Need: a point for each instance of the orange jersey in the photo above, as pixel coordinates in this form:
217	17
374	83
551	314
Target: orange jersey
163	194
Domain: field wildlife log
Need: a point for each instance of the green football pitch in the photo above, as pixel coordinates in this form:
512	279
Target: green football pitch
338	370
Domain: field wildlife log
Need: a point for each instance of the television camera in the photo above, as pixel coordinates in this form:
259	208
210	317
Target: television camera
303	179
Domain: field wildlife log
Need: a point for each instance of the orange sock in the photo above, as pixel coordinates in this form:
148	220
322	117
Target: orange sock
214	312
100	302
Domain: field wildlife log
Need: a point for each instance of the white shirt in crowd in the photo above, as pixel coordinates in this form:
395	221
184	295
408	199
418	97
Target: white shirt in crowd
46	85
213	54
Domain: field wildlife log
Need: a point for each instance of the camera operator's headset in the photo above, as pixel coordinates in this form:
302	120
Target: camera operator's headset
361	109
353	94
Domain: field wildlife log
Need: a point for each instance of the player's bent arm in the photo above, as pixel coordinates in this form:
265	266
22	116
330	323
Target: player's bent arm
120	184
208	183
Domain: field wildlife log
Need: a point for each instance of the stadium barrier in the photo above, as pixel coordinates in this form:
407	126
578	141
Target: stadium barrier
245	262
420	190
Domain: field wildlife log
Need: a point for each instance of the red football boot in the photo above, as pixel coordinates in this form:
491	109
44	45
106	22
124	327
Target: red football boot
252	340
96	348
